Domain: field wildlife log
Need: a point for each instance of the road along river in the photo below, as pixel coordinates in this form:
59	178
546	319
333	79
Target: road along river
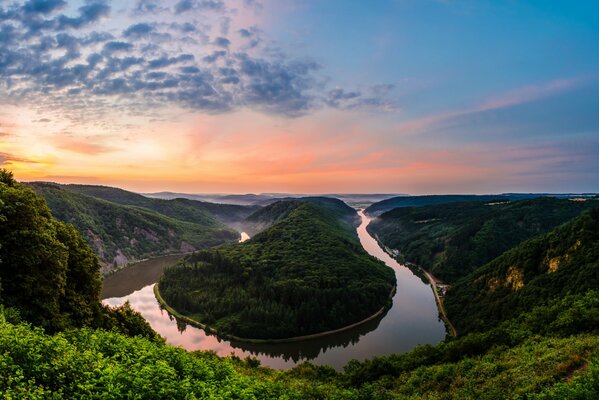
412	319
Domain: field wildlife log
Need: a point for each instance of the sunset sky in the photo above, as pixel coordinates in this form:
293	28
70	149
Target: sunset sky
346	96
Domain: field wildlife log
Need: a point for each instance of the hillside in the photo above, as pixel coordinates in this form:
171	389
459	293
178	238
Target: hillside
189	210
420	201
121	234
49	276
451	240
561	262
305	274
268	216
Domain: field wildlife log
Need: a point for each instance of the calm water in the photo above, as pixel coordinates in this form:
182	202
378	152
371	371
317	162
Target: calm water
412	319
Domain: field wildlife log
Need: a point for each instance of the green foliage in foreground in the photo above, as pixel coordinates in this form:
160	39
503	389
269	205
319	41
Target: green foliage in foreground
89	364
47	271
560	319
307	273
566	260
119	234
452	240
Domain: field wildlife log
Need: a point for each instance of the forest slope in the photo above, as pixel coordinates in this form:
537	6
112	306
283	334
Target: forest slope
427	200
451	240
200	212
121	234
305	274
275	212
561	262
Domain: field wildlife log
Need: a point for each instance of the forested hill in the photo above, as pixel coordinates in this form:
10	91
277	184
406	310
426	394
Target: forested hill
563	261
120	234
451	240
201	212
427	200
305	274
273	213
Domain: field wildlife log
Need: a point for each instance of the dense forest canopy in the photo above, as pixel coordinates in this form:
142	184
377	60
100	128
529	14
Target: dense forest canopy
120	234
275	212
564	261
48	274
428	200
452	240
305	274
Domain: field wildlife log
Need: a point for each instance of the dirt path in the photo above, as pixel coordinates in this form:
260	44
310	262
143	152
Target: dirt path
433	282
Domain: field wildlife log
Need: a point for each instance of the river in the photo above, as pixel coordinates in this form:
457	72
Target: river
413	318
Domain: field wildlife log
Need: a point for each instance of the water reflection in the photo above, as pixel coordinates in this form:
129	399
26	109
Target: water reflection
412	319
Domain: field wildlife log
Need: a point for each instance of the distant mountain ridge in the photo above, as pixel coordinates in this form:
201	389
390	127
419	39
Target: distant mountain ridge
264	199
426	200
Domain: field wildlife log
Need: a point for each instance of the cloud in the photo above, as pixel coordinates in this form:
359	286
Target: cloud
222	42
89	13
275	87
82	147
7	159
116	46
138	30
43	6
188	5
214	56
56	57
376	97
143	7
166	61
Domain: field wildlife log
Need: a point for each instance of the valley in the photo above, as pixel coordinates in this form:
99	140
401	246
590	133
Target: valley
411	320
527	303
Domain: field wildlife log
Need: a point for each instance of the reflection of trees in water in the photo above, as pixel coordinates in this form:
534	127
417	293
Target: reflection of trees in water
299	351
181	325
310	349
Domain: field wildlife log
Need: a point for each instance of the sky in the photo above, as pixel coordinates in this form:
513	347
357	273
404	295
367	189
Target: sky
302	96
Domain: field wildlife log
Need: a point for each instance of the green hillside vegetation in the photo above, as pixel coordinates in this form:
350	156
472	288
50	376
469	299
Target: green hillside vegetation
452	240
563	261
305	274
275	212
121	234
515	360
58	342
428	200
553	348
200	212
48	274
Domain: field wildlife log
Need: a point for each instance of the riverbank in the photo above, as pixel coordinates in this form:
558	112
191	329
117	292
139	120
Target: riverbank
433	282
294	339
143	260
429	277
